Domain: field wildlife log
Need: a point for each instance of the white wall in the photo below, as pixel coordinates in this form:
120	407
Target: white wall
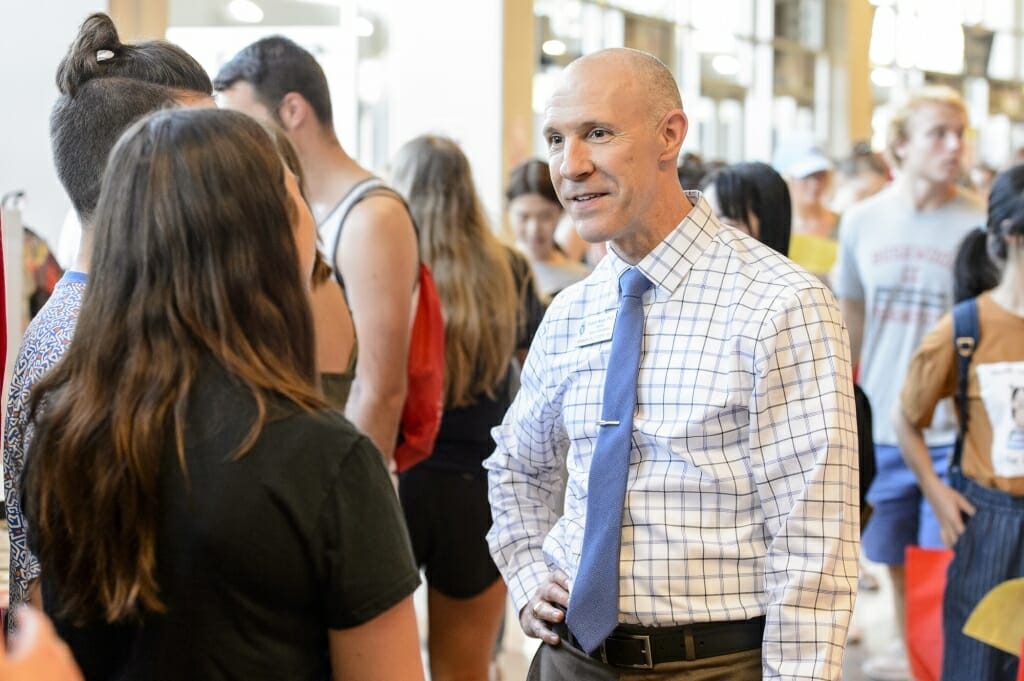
445	76
33	38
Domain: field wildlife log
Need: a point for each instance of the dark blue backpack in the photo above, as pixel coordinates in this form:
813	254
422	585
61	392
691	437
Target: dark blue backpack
966	334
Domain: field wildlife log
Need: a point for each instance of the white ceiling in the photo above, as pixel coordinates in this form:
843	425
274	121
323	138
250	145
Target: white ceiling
275	13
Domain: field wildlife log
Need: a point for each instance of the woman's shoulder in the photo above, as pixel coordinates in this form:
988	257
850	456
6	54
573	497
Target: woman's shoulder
223	410
317	430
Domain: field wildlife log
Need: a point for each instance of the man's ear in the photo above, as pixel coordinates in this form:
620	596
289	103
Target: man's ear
294	111
673	132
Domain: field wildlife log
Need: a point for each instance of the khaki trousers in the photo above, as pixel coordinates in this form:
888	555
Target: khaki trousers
565	663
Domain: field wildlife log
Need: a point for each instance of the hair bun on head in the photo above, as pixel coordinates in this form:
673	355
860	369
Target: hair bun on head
97	42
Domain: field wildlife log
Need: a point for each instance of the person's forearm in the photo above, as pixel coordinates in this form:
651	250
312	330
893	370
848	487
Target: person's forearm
811	567
521	521
378	414
915	453
853	315
522	490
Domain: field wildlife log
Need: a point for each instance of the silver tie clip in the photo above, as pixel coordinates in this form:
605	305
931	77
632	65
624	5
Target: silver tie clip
602	422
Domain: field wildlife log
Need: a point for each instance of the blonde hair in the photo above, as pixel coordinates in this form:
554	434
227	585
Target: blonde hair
930	94
470	266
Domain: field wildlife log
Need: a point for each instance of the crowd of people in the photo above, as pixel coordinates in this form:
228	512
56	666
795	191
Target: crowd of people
646	437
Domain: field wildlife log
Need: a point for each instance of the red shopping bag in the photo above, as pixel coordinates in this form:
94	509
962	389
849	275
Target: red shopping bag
926	584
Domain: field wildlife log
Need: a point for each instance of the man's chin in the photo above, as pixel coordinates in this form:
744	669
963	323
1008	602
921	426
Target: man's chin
594	234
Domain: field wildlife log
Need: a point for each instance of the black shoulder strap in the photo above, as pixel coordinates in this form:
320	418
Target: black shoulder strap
966	334
361	190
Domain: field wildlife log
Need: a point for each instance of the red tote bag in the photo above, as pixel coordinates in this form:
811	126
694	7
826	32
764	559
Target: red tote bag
926	584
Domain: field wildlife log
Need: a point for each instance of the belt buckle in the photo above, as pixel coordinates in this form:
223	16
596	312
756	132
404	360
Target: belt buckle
648	662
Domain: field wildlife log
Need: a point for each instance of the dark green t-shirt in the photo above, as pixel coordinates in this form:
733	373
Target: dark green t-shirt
259	556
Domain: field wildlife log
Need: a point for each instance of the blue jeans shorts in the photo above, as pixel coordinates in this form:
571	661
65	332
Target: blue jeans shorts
902	516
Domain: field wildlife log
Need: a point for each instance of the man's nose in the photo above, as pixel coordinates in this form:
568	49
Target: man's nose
576	161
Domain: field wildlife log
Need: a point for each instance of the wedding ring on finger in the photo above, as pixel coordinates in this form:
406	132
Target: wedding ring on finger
536	607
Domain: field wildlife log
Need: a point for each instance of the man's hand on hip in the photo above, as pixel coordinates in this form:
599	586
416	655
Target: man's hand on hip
544	608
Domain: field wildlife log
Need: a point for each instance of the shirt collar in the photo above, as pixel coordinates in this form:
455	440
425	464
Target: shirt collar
672	259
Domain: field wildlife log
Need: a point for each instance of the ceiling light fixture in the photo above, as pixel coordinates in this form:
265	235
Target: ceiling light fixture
245	11
364	27
554	48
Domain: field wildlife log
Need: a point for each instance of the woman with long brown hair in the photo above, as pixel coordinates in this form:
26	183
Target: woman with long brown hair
197	511
491	311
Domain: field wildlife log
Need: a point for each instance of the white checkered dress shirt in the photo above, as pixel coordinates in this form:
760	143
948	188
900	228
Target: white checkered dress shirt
742	497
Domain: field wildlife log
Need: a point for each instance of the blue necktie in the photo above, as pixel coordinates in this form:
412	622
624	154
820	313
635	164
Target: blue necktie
594	603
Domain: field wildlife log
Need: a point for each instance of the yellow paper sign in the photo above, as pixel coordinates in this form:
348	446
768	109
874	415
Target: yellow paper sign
998	619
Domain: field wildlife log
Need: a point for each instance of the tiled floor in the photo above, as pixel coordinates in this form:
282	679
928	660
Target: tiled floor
873	616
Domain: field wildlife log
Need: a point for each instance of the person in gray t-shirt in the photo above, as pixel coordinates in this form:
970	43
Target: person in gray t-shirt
893	278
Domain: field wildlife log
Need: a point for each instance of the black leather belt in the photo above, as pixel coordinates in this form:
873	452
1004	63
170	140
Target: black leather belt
643	647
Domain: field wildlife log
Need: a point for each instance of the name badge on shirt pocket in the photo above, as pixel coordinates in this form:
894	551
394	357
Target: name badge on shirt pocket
596	329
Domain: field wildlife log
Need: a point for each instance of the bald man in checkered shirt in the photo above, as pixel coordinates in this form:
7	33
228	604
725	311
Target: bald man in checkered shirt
739	536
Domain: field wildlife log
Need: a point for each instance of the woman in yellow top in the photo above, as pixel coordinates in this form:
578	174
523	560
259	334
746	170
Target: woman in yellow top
812	243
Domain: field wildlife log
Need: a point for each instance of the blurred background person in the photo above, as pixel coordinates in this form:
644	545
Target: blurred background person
894	281
858	176
196	509
861	174
808	172
368	235
575	248
42	272
491	312
753	198
974	272
534	212
691	170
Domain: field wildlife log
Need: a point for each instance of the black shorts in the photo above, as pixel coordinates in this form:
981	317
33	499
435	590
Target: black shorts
448	517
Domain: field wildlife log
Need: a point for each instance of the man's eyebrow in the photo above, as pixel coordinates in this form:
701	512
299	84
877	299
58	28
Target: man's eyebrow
591	124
